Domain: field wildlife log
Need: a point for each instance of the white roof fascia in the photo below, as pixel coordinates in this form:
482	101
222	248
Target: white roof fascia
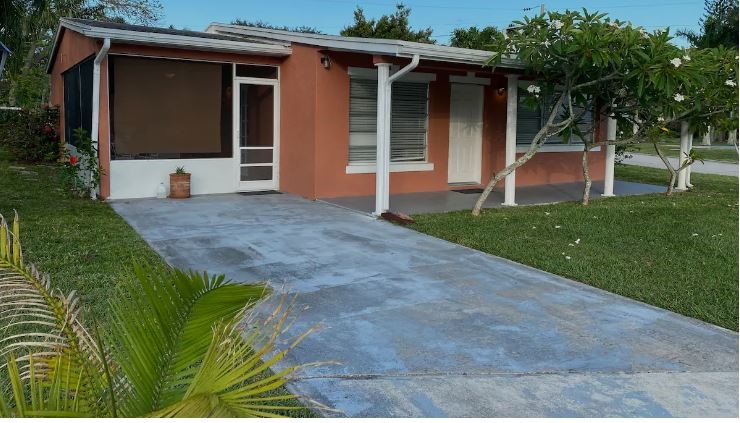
397	48
171	40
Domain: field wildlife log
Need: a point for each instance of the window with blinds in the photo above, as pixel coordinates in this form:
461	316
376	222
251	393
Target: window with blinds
409	112
529	121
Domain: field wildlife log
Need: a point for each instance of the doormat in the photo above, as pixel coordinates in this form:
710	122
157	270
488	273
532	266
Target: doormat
469	191
260	192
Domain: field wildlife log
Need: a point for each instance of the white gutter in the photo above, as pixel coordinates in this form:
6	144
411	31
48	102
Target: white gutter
383	135
96	97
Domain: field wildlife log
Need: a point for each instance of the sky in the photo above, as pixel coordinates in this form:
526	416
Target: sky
330	16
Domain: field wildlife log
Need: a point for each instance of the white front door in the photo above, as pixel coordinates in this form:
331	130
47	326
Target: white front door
256	128
466	134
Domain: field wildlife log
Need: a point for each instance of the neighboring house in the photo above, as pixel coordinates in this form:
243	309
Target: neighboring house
258	109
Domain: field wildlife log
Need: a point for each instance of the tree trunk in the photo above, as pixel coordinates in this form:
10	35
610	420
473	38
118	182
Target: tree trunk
501	175
586	177
672	179
537	142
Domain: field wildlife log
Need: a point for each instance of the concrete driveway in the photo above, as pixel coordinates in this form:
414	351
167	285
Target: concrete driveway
423	327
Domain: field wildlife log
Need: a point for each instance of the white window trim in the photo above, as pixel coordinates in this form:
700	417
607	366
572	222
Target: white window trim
550	148
372	74
555	148
395	167
368	73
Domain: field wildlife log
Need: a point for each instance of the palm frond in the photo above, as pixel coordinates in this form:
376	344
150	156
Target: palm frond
54	394
161	328
41	326
232	380
32	314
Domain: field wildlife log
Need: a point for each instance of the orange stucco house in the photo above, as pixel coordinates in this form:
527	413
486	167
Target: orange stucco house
257	109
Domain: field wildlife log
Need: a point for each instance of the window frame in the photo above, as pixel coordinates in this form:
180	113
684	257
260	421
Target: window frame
68	130
368	166
561	146
166	156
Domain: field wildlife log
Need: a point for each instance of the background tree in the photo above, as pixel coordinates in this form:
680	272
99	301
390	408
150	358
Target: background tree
27	27
394	26
262	24
719	25
472	37
580	61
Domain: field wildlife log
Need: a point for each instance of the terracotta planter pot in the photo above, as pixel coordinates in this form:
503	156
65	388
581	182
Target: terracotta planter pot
179	185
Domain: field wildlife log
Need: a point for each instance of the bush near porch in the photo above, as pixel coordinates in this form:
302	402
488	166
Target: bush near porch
83	245
679	253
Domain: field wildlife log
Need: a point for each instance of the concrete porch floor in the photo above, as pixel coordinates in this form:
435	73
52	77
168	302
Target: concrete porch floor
444	201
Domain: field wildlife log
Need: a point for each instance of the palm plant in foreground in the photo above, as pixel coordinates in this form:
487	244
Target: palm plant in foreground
179	344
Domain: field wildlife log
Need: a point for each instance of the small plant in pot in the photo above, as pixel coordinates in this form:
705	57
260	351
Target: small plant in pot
180	183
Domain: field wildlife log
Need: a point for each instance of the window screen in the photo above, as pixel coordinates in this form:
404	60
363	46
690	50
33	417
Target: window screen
78	99
529	121
164	109
409	112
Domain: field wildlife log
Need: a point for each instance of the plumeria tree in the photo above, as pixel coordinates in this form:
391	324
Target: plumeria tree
582	67
707	100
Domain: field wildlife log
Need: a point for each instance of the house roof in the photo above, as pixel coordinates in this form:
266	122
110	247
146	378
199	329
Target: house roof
398	48
175	38
264	41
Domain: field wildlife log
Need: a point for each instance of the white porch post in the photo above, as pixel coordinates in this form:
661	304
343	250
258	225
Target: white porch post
512	93
681	183
382	156
688	169
611	135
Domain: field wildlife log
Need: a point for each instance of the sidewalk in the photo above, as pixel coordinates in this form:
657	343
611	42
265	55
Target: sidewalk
709	166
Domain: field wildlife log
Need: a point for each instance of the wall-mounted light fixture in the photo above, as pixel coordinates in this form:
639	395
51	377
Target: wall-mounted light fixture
326	61
501	90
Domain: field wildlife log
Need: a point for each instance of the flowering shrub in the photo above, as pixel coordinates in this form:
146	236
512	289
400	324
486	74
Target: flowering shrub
577	62
80	172
30	135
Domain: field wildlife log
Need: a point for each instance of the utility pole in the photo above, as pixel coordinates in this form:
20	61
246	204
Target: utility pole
542	9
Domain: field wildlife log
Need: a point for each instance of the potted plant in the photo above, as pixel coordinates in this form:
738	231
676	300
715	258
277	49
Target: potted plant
180	183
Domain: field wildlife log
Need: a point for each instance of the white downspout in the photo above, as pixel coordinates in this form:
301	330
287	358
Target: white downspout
383	135
96	98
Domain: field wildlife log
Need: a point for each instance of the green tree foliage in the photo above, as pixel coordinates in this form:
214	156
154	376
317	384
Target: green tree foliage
719	25
394	26
475	38
179	344
262	24
27	28
580	61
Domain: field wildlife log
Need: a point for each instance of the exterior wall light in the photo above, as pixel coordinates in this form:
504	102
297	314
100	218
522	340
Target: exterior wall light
326	61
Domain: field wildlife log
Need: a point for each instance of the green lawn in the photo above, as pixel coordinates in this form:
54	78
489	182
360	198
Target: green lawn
707	152
83	245
678	252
